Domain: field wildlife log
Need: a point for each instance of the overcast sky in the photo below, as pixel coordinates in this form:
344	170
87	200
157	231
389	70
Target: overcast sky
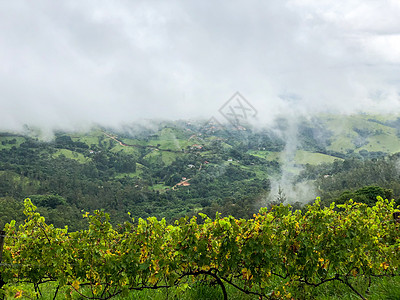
66	63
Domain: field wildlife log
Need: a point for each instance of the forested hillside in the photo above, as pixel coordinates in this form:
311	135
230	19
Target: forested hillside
173	169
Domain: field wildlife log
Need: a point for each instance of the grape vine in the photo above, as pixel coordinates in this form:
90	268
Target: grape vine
267	255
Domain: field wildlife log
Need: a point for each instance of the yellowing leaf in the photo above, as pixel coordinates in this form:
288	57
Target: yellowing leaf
75	284
152	279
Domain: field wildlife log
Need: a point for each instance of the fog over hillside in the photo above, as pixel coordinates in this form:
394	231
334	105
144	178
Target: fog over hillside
70	64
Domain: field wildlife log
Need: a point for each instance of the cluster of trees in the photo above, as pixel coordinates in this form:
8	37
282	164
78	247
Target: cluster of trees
360	179
223	176
109	179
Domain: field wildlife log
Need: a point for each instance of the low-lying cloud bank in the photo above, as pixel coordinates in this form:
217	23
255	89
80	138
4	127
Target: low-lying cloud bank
71	64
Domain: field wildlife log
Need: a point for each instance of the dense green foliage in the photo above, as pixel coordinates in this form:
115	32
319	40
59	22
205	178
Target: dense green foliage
276	254
359	179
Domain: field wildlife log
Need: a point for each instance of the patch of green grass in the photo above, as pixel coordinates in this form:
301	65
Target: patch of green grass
171	139
342	143
170	144
381	289
268	155
160	187
166	157
87	139
381	137
128	150
197	291
18	141
260	174
388	143
129	141
386	289
304	157
71	155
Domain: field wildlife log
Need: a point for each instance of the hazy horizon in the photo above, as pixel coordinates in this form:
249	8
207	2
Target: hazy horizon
72	64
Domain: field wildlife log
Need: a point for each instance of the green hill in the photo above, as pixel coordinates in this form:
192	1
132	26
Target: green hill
175	169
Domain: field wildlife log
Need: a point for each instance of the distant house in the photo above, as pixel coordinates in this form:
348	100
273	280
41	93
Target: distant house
184	182
196	147
230	159
191	166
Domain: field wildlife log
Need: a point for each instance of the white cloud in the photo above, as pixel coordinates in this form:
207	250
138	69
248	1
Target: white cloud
78	62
